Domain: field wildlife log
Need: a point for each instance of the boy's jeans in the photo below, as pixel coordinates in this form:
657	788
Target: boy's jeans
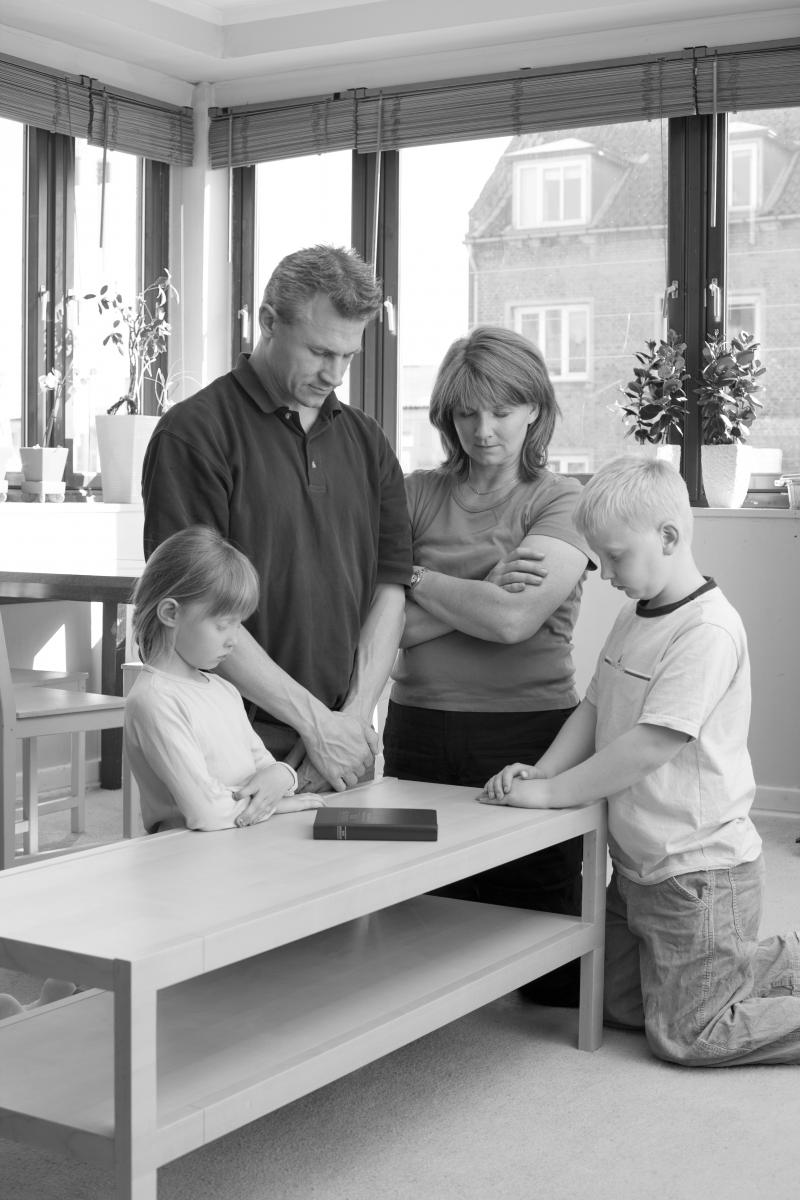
683	960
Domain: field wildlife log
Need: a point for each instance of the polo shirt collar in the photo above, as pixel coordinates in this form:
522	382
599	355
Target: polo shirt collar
250	383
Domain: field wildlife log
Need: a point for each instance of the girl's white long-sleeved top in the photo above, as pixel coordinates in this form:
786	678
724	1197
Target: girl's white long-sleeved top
190	746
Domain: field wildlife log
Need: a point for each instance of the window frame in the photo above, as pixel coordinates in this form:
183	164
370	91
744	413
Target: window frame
518	312
48	271
537	168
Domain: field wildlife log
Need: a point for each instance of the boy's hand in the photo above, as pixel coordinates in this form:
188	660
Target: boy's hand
497	789
521	571
263	793
524	793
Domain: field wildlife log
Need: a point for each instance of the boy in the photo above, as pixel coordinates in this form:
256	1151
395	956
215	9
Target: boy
662	733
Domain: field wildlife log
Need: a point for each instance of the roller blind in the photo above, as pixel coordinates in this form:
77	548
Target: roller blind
81	107
46	99
285	129
597	94
452	110
121	121
749	77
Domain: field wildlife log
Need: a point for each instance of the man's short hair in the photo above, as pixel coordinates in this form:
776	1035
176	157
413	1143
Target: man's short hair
336	271
642	493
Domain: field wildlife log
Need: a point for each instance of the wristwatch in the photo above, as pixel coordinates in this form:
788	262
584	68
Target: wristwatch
416	575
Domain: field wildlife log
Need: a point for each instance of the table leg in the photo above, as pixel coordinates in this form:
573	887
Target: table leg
135	1084
590	1013
112	656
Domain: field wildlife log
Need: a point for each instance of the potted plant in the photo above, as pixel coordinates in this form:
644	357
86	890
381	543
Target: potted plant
728	407
43	466
655	402
140	330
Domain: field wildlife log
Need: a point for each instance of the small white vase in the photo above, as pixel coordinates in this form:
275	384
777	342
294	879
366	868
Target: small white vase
43	463
726	474
121	442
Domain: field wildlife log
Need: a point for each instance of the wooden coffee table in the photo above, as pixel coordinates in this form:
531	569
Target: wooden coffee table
230	973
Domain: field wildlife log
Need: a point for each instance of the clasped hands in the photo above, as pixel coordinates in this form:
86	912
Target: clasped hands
343	749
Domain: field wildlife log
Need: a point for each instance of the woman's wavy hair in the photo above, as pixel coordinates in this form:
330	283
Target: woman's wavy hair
194	564
493	367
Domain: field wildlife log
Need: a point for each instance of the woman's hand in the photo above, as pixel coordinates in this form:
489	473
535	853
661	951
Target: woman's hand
522	570
264	792
499	788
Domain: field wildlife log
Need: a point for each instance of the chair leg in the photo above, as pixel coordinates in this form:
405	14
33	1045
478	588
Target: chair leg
78	782
8	796
30	795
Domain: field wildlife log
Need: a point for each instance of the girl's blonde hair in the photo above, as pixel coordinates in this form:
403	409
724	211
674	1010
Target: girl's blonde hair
193	565
642	493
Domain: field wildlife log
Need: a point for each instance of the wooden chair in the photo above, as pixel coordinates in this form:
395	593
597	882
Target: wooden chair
27	713
75	798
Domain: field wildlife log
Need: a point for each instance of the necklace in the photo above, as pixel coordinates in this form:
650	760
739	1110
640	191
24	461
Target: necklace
489	491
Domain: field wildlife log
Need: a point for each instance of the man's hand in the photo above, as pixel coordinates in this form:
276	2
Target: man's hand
522	570
342	747
263	793
500	788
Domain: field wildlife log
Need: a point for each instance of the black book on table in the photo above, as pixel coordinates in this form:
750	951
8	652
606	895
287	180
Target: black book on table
376	824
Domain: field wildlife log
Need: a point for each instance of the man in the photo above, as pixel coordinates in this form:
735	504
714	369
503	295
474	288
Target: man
313	494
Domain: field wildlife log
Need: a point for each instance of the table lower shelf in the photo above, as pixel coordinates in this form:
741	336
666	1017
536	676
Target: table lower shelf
239	1042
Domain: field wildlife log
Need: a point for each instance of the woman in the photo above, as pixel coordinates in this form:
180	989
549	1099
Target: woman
484	676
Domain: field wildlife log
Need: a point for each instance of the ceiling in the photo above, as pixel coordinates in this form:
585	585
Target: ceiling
275	48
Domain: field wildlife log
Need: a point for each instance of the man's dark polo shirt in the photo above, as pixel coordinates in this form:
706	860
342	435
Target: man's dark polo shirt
322	516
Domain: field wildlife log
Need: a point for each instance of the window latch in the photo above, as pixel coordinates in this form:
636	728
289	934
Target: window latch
670	292
391	317
244	317
716	299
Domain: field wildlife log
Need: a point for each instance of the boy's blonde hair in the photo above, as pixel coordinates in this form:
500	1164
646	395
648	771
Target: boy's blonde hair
642	493
194	565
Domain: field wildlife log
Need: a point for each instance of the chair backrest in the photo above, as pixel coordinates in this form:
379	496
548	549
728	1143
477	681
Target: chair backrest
8	704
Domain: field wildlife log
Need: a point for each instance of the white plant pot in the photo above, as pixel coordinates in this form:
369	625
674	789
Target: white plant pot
121	441
43	463
726	474
666	453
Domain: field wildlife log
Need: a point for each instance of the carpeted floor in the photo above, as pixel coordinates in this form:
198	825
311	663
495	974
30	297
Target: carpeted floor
497	1105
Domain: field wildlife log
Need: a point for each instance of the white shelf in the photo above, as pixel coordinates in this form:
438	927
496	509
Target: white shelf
340	999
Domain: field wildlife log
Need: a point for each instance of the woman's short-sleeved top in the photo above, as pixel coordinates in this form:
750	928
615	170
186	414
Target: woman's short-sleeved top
465	536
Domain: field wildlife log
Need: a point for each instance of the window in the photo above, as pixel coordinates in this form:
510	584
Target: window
586	301
763	266
742	174
106	252
561	334
299	202
555	192
12	296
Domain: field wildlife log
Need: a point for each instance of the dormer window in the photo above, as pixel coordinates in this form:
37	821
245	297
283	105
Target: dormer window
743	176
551	192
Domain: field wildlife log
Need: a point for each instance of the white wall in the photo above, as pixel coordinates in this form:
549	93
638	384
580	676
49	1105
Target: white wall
754	555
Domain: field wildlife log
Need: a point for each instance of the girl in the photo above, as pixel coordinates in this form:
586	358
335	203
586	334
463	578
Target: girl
191	748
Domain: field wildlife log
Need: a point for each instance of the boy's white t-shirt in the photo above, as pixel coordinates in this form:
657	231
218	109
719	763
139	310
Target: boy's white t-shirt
683	667
190	746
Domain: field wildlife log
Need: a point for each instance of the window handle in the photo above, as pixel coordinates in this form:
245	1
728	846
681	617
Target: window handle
716	299
44	300
391	315
244	316
670	292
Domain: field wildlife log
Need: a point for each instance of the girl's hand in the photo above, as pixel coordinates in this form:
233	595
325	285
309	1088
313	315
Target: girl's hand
263	793
298	802
497	789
